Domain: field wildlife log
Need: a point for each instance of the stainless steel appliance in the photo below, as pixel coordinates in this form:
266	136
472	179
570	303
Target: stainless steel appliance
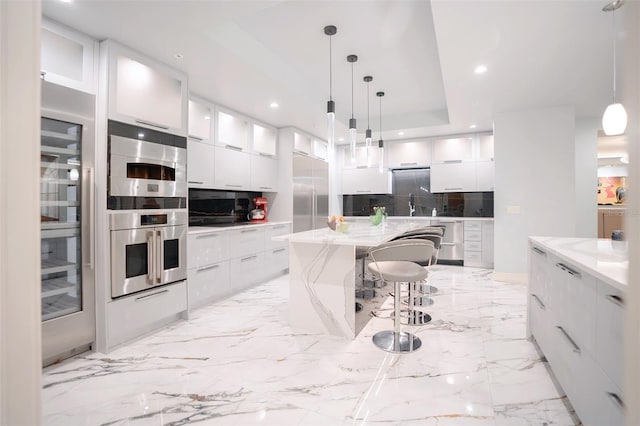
148	249
310	193
140	168
67	222
452	246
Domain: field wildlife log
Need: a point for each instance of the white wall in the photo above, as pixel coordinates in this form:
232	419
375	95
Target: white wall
586	166
20	320
535	181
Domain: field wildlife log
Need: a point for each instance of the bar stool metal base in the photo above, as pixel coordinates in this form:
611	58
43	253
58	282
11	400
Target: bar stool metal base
366	293
396	342
412	317
419	301
428	289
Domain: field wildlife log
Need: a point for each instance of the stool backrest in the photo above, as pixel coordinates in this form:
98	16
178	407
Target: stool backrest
411	250
435	239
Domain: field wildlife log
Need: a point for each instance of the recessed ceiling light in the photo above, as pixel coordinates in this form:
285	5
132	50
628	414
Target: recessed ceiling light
206	117
400	133
473	126
480	69
178	56
340	139
274	105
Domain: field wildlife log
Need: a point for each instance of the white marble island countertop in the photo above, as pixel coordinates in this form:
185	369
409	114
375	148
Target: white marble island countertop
605	259
194	230
359	234
439	219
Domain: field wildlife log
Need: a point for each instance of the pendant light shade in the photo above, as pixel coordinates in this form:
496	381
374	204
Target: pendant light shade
353	133
380	141
331	30
614	120
367	138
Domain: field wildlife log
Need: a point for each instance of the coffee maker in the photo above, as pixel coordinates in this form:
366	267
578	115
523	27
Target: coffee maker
259	213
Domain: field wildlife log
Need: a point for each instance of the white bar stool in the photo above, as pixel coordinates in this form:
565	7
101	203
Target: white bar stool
387	264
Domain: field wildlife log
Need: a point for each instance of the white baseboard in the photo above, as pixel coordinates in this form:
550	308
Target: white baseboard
510	277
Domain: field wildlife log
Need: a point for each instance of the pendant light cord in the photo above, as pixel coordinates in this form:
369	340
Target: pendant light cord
380	117
368	125
613	23
330	76
351	89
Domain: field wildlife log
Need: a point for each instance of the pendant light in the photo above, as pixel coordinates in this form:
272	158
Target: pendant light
367	139
352	121
380	141
331	30
614	120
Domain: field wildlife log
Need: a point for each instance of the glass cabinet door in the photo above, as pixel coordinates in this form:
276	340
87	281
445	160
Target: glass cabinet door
60	195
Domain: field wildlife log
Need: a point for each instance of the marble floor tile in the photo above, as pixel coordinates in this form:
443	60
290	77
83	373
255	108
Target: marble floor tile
238	362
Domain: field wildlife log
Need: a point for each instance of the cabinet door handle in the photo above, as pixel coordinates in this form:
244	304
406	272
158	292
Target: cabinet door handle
616	299
146	123
409	164
232	186
265	187
452	161
262	154
569	270
233	147
453	189
195	181
246	259
279	250
362	167
537	250
248	230
363	190
576	348
616	399
151	295
199	237
542	306
195	138
208	268
297	151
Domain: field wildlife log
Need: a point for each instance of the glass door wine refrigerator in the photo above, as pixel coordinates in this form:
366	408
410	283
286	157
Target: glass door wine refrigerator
66	220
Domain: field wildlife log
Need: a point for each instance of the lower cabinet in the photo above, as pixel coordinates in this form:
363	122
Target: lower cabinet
576	321
226	261
478	243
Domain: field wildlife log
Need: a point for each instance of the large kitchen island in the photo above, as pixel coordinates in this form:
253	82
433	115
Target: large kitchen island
322	270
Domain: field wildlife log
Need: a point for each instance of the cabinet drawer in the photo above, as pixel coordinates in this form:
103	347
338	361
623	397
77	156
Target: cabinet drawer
472	225
539	324
472	235
141	313
246	271
207	249
208	283
472	258
274	231
473	246
276	261
609	402
610	331
245	242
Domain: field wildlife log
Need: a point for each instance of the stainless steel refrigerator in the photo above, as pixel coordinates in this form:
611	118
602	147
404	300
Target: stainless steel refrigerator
310	193
66	222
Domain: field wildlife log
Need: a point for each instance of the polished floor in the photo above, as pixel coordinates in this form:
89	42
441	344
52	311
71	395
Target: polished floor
237	362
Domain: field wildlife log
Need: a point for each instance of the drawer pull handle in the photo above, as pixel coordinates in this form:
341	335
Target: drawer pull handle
195	138
576	348
616	399
279	250
262	154
542	306
363	190
246	259
452	161
147	123
195	181
278	226
248	230
453	189
233	186
616	299
199	237
569	270
233	147
409	164
151	295
537	250
208	268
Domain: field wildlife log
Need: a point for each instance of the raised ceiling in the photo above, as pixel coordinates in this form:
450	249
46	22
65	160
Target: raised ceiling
247	54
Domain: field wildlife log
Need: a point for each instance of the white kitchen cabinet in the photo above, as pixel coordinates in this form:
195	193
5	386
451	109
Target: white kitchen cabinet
487	243
274	231
485	147
452	149
453	176
207	248
264	140
610	331
246	271
478	243
320	150
67	57
245	242
200	163
208	283
484	176
232	130
408	154
365	181
302	144
200	121
276	261
232	169
145	92
361	157
264	173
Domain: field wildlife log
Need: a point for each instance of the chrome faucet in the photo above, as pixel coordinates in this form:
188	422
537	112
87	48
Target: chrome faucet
412	207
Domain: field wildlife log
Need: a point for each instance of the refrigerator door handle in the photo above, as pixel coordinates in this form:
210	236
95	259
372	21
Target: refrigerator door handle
91	184
160	254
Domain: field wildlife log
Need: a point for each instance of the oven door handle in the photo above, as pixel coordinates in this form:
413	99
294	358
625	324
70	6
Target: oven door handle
160	254
151	252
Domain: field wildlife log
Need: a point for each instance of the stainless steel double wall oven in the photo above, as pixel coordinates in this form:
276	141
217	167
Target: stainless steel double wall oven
147	199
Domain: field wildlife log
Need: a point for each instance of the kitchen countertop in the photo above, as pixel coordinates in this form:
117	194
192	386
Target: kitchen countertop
195	230
604	259
359	234
422	218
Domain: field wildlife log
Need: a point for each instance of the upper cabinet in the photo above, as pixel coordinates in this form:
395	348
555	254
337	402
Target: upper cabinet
200	122
485	147
233	130
302	144
265	140
362	160
67	57
452	149
409	154
320	150
145	92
